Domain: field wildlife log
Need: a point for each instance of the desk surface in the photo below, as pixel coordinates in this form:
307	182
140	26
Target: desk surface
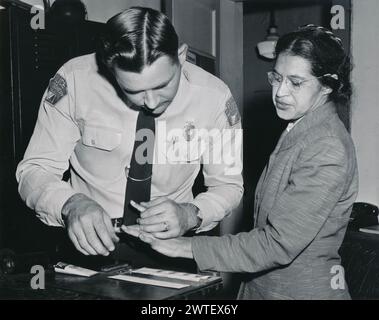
67	287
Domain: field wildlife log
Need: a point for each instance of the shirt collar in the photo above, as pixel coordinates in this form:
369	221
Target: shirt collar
292	124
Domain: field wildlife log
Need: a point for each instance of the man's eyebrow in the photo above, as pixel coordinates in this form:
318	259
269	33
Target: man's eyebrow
157	87
163	84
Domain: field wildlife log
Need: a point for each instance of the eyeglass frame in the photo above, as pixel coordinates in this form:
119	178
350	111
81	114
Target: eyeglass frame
291	88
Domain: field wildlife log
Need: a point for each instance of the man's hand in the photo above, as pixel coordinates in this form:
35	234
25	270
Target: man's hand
89	226
166	219
179	247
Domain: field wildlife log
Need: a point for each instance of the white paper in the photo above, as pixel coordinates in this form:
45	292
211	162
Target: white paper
153	282
74	270
172	274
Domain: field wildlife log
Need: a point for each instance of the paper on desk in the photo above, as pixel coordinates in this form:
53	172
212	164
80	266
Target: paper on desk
66	268
172	274
153	282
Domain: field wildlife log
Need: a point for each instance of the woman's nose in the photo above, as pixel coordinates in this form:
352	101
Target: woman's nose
282	89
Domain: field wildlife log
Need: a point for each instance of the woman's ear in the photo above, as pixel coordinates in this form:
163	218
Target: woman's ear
182	53
326	90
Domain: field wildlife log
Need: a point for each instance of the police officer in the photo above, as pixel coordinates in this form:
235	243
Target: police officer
87	123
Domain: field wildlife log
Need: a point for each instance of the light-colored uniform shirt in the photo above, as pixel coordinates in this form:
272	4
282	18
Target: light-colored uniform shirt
83	122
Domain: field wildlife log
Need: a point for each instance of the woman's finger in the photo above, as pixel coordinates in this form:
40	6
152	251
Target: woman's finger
145	237
131	230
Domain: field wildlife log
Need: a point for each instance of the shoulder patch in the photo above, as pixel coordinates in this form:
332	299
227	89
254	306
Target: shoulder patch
57	89
231	111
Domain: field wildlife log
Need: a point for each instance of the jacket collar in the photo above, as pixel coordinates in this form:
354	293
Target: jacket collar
314	118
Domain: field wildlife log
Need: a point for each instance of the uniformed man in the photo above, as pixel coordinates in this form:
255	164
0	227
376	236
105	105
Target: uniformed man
87	122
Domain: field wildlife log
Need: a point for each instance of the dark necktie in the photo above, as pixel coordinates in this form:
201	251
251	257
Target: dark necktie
138	185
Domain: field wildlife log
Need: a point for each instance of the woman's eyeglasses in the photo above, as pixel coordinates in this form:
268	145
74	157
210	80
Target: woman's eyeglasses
293	84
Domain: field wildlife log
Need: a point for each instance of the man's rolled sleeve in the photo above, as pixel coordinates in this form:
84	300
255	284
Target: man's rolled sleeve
46	159
207	212
48	204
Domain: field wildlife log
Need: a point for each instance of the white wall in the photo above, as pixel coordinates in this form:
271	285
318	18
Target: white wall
102	10
365	106
256	23
35	2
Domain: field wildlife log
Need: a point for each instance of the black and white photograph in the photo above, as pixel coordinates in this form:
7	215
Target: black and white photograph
205	151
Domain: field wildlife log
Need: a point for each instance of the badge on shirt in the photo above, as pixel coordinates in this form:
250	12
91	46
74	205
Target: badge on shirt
57	89
231	112
189	131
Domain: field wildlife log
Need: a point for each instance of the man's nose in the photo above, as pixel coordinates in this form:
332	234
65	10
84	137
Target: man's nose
151	100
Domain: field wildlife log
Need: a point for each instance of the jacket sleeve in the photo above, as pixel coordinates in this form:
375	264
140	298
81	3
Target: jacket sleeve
317	182
222	167
40	173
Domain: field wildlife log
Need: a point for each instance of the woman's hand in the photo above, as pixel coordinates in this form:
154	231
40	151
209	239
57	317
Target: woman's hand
179	247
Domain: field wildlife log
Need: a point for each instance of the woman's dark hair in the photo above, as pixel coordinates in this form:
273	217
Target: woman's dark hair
135	38
326	55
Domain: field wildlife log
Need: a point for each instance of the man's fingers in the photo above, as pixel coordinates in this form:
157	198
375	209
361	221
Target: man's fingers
139	207
94	240
156	219
154	203
153	211
82	240
76	243
111	231
104	235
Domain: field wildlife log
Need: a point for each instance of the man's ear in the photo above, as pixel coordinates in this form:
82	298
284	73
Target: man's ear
182	53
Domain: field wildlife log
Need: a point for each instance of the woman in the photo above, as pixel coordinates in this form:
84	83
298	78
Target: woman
305	194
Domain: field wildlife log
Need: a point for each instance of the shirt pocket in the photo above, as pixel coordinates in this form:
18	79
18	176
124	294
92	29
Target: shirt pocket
103	138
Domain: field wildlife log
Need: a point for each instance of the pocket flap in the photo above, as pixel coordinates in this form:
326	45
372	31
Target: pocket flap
101	137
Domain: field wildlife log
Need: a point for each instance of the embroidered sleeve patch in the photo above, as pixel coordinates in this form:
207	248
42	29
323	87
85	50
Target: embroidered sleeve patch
57	89
232	113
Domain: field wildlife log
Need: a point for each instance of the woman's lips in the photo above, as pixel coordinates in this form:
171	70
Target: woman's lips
282	105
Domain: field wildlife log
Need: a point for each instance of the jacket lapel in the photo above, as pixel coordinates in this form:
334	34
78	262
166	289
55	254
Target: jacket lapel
286	141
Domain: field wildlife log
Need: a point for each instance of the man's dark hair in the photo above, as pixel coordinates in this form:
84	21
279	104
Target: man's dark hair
135	38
